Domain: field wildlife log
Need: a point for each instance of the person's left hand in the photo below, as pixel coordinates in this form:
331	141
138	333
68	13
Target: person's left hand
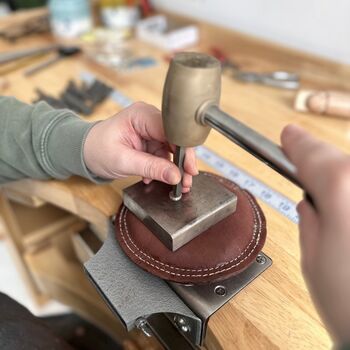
324	172
132	142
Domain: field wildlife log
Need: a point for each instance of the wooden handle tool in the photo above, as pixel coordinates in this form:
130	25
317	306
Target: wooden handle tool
332	103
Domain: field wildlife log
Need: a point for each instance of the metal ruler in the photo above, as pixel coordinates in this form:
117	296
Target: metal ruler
265	193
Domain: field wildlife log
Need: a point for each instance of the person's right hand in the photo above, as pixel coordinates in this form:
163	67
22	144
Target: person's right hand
324	172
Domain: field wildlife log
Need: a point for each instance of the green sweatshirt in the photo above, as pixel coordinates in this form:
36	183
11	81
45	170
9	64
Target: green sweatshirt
40	142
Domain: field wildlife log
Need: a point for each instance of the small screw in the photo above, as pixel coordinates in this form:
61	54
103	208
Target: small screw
260	259
220	290
142	325
182	324
185	329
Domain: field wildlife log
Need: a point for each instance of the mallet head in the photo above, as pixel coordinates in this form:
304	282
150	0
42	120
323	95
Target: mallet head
193	82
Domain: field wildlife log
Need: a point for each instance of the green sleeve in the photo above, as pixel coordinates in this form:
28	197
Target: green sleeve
37	141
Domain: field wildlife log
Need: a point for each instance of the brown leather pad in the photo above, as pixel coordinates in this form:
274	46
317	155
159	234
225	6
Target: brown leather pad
222	251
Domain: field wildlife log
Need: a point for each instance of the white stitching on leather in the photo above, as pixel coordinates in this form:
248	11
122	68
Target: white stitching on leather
205	269
124	215
257	223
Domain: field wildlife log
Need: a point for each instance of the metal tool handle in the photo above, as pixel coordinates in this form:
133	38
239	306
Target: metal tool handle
253	142
36	68
279	79
15	55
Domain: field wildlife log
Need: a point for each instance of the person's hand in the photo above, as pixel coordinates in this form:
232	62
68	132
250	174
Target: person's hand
324	172
132	142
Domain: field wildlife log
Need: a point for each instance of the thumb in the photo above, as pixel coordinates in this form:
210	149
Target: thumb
309	234
151	167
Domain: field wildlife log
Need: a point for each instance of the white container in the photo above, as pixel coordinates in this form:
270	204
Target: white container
156	30
70	18
120	17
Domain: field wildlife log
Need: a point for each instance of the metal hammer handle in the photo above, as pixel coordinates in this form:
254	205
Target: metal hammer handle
253	142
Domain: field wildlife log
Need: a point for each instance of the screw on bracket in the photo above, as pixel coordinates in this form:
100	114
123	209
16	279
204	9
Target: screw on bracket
260	259
182	324
220	290
142	324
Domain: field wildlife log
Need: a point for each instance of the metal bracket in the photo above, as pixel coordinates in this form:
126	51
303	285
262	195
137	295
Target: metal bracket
138	298
205	300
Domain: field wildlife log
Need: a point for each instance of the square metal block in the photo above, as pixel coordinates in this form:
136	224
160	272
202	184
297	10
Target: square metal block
177	222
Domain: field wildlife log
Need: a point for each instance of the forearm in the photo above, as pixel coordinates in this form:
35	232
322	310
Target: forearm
40	142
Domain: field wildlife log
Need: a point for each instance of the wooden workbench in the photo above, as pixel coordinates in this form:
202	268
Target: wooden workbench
274	311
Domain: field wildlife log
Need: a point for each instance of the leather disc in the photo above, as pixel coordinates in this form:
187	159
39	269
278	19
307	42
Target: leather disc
222	251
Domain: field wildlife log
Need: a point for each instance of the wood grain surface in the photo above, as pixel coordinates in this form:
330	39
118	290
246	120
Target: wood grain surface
275	311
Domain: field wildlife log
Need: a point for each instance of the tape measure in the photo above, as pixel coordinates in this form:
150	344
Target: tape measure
269	196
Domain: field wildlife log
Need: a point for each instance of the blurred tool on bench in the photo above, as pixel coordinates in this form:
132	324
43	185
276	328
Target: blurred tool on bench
11	56
14	60
278	79
82	99
167	33
62	52
331	103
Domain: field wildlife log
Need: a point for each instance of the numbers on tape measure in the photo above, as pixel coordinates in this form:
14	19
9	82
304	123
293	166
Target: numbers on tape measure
233	174
269	196
249	183
266	194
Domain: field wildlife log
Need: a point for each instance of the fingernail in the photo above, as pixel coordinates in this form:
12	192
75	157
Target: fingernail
147	181
187	182
171	177
291	128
